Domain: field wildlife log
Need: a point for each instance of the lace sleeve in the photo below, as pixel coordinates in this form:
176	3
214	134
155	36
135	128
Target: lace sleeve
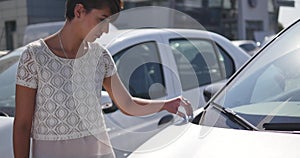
27	70
110	65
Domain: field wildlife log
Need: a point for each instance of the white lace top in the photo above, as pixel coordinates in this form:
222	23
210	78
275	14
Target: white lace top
68	90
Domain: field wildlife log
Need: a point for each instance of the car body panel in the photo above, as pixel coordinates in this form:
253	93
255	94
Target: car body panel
192	140
6	130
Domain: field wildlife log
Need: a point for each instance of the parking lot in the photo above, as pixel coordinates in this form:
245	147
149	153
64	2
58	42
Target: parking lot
240	98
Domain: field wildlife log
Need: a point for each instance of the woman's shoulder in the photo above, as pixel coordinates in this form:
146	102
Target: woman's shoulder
38	44
35	46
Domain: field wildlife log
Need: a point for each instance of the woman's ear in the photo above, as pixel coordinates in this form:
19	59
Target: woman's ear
79	10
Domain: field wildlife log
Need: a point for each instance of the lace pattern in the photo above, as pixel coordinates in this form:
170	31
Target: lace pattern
68	90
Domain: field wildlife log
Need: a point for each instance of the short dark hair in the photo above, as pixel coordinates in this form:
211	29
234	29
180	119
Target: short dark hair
114	5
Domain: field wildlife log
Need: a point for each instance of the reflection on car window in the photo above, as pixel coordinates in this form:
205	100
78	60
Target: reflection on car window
269	87
140	70
269	83
199	62
278	82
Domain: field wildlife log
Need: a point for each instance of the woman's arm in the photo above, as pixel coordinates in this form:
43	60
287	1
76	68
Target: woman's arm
25	102
137	106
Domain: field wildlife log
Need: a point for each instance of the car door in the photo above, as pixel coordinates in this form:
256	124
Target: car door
200	61
140	67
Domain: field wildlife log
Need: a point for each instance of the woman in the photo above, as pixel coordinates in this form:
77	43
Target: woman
59	82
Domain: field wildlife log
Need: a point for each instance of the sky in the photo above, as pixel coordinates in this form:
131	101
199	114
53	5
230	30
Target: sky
288	15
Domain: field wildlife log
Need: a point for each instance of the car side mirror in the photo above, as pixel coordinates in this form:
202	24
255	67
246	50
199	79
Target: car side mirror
212	89
106	103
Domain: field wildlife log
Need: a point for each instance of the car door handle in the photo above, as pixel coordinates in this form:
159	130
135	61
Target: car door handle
165	119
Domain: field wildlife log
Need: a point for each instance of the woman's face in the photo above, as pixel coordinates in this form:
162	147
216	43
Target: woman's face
95	23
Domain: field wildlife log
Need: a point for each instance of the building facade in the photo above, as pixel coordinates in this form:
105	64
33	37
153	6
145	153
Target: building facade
235	19
15	15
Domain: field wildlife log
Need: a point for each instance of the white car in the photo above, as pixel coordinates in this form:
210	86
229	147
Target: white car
3	52
256	114
40	30
164	63
152	63
251	47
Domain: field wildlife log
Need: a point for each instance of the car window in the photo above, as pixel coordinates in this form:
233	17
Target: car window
272	90
269	83
274	71
226	61
277	81
199	62
7	76
268	89
248	47
8	68
140	70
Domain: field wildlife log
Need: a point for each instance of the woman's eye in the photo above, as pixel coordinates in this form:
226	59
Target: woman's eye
105	20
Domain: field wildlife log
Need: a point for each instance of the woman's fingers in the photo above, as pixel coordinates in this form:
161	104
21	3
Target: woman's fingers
181	114
187	106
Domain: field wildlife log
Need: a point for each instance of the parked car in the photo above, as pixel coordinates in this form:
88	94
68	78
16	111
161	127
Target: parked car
152	63
251	47
6	124
40	30
267	39
256	113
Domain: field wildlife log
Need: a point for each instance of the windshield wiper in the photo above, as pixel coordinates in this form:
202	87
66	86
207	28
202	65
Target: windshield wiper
235	117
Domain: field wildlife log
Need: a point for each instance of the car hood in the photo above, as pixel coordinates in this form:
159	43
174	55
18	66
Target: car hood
190	140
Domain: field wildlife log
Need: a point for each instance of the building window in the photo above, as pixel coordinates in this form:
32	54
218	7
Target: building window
193	3
215	3
271	6
252	27
10	29
230	4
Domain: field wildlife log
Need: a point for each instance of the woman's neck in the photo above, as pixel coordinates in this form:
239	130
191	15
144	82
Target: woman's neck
72	43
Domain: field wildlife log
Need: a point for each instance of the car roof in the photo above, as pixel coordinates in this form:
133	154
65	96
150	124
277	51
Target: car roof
239	42
119	35
15	52
40	30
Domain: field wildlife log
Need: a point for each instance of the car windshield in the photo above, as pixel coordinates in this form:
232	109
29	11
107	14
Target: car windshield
8	69
267	91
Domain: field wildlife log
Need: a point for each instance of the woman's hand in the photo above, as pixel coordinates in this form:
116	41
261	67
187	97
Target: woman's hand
172	106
